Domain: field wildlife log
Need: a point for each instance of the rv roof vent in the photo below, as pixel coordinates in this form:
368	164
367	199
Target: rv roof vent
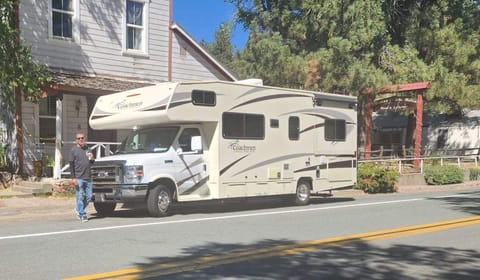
255	82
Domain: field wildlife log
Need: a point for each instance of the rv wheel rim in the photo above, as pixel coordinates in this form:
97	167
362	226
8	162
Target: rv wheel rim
163	200
302	193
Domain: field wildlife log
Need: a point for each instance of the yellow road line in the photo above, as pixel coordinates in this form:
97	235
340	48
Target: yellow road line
156	270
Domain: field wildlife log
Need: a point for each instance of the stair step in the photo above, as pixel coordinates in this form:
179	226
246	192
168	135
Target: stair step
33	187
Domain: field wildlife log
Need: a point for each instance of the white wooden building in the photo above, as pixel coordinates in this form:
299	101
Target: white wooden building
98	47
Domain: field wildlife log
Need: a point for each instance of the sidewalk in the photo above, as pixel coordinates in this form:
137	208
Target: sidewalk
15	205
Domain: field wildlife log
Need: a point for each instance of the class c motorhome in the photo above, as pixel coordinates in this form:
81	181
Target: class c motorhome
215	140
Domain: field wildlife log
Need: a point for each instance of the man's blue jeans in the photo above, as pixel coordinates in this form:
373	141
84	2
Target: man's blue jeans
84	195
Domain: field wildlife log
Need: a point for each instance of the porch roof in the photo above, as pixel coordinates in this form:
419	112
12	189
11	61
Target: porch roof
77	83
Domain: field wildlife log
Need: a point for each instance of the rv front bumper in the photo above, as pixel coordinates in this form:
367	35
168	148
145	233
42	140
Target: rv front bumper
120	193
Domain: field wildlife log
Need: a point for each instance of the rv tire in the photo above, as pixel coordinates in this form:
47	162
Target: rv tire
302	195
159	200
104	208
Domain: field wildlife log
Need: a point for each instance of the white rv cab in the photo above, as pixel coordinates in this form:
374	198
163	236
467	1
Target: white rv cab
193	141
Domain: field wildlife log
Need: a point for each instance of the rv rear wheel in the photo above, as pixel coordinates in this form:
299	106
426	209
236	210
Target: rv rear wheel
158	201
104	208
302	196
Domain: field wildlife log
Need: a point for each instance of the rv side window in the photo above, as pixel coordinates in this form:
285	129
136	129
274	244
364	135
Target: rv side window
244	126
293	128
203	97
335	130
185	140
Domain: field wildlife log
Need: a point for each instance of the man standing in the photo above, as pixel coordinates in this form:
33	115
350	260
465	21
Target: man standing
81	158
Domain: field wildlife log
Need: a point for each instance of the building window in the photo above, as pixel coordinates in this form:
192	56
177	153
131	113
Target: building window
203	98
335	130
243	126
47	115
136	25
293	128
62	21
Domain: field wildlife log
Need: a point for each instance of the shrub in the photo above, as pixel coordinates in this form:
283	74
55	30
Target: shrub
372	178
2	157
474	174
443	175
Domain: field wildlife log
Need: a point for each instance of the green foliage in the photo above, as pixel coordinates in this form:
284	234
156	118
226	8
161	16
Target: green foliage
350	46
474	174
372	178
443	175
17	68
2	157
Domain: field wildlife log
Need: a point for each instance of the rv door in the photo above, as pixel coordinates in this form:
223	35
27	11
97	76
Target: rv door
190	165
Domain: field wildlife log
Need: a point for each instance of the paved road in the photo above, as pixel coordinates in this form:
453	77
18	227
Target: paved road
257	240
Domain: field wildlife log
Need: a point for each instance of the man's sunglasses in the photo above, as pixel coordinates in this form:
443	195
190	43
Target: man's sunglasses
78	138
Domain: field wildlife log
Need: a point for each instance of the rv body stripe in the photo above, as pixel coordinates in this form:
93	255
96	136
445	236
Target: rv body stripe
96	117
231	164
265	98
181	96
312	127
197	186
159	108
331	165
195	163
181	182
273	160
251	91
179	103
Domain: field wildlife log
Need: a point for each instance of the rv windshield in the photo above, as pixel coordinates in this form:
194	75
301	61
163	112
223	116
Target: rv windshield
150	140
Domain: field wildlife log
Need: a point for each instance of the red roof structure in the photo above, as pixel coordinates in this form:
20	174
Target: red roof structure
419	88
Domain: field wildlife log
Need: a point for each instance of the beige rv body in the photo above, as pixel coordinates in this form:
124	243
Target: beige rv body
294	145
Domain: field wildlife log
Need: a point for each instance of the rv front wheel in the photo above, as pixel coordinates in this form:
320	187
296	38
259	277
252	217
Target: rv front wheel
104	208
302	196
158	201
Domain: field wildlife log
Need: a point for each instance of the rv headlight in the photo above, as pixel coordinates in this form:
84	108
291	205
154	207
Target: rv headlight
133	174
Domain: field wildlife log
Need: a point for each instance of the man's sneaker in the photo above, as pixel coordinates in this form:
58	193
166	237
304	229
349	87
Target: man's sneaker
84	219
77	214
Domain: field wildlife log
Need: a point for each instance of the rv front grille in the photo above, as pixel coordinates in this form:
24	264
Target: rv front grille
107	174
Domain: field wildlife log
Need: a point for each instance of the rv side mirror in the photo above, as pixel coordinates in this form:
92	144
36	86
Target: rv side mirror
179	151
196	143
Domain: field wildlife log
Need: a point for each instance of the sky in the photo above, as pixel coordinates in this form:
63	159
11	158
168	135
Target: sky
201	18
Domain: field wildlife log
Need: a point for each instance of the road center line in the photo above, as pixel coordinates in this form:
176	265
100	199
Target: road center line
228	217
156	270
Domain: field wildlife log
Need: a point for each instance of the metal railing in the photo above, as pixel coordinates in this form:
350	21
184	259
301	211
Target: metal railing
406	165
99	149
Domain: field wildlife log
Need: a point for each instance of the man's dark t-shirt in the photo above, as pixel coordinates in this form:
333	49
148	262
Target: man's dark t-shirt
79	163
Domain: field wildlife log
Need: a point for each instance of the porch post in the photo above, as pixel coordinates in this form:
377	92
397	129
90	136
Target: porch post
368	125
418	128
58	139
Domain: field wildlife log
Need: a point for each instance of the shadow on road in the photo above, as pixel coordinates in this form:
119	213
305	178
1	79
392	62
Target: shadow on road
353	260
219	206
470	203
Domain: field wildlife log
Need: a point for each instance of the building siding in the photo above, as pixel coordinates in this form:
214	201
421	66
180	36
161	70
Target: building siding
99	48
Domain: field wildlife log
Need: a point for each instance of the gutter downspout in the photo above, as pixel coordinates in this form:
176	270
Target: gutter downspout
170	43
18	99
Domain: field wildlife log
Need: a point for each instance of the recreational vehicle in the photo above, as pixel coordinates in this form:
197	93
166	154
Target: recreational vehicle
216	140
